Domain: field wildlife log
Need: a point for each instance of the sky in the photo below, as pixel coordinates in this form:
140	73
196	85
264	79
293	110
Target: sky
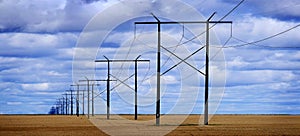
47	45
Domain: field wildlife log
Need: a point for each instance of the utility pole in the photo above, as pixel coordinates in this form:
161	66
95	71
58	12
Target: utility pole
61	101
207	71
83	102
57	108
92	99
158	72
108	89
108	77
135	87
158	23
88	90
66	103
60	104
71	102
77	98
71	96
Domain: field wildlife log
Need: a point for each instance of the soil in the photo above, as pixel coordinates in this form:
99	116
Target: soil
30	125
12	125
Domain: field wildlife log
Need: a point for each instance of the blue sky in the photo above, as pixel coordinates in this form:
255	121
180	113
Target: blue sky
40	38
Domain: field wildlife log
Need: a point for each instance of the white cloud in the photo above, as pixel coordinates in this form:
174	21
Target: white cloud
170	79
277	8
49	15
259	76
40	63
251	28
35	45
38	87
14	103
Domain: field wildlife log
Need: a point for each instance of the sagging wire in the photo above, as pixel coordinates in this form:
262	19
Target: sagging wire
122	82
264	39
136	38
195	37
147	73
100	93
176	47
130	48
220	49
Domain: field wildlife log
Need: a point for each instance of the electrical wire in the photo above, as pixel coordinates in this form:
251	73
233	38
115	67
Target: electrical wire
122	65
213	57
209	29
136	38
249	43
261	40
148	71
195	37
123	82
226	42
100	93
182	37
143	43
130	48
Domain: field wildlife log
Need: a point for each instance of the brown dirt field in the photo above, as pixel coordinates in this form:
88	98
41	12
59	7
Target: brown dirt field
219	125
47	125
242	125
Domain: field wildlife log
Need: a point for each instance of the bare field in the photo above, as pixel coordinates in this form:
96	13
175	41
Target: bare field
46	125
242	125
219	125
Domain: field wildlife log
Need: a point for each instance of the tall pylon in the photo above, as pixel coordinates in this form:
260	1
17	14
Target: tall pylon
206	74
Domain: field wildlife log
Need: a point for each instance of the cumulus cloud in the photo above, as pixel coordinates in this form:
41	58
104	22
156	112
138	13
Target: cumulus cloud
14	103
256	28
35	45
281	9
42	86
48	16
38	40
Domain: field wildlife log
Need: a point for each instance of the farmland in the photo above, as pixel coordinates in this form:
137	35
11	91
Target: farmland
125	125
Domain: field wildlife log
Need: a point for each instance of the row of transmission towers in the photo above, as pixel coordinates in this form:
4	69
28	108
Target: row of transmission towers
65	104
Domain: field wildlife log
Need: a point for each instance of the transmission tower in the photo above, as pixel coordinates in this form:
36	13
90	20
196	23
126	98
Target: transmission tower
206	74
135	87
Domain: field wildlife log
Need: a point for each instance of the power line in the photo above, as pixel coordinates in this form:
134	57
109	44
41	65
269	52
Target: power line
135	38
190	40
213	57
214	23
249	43
231	11
261	40
158	66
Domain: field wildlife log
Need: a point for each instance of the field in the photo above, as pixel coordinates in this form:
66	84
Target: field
124	125
46	125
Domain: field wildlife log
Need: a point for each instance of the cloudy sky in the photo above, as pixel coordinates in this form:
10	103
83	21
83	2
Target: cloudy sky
40	39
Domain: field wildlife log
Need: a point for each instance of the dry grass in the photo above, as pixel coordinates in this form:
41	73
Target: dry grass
219	125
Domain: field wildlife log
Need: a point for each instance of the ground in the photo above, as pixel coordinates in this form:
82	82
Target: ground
46	125
219	125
